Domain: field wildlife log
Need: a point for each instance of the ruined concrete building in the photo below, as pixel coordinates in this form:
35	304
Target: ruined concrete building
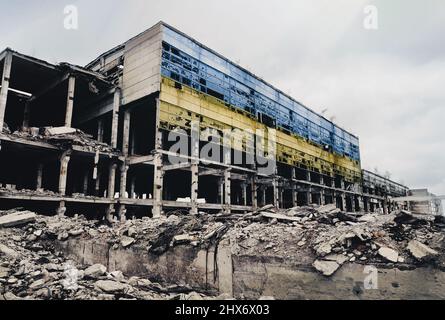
99	136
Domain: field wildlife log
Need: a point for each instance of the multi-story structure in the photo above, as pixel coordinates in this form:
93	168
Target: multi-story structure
135	98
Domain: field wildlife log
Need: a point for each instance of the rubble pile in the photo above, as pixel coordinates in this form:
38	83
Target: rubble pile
63	137
329	238
31	268
322	237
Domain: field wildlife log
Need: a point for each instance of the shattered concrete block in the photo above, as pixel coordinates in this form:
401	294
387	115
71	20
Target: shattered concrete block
17	219
59	131
8	251
420	251
127	241
324	249
389	254
95	271
339	258
109	286
327	268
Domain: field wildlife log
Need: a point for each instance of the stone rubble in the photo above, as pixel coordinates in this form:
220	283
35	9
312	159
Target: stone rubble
322	237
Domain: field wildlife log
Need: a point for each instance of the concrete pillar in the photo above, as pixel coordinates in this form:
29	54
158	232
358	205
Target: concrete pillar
343	202
264	196
309	196
123	181
39	179
61	209
254	193
133	187
70	101
227	191
126	134
221	190
115	117
86	179
322	197
294	188
5	87
112	181
63	175
194	189
26	114
158	186
276	193
361	204
244	193
100	130
385	206
122	213
97	182
353	203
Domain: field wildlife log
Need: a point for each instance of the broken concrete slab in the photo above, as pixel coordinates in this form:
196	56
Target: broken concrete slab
420	251
95	271
17	219
279	217
389	254
109	286
339	258
59	131
324	249
327	268
8	251
127	241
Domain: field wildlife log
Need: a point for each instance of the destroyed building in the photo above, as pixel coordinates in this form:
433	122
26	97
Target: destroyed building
98	136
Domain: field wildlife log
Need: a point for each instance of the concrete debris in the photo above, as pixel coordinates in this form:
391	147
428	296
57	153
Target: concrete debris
321	237
327	268
420	251
64	137
95	271
127	241
389	254
17	219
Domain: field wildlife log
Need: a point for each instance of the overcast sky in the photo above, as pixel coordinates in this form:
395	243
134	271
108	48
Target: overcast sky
385	85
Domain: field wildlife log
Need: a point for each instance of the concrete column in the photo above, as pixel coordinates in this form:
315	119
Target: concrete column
123	181
361	204
353	203
294	188
100	130
194	189
322	197
221	190
227	191
70	101
244	194
133	187
39	179
115	117
254	193
122	213
26	114
112	181
97	182
64	161
126	134
385	206
61	209
276	194
5	87
264	195
158	186
86	179
309	196
343	202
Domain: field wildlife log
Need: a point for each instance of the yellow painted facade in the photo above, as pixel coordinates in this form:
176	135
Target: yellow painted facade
181	105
